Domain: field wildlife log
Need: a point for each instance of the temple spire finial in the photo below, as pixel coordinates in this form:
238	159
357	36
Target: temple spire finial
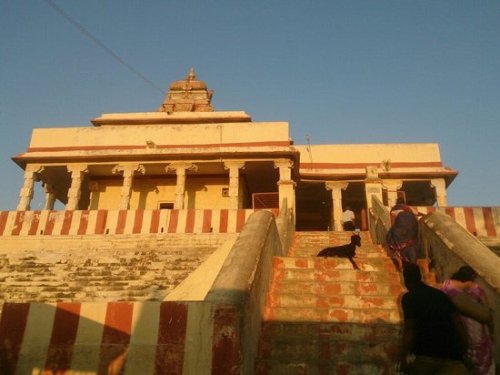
191	75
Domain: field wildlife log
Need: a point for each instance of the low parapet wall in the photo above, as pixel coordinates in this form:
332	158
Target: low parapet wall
480	221
88	222
450	246
217	335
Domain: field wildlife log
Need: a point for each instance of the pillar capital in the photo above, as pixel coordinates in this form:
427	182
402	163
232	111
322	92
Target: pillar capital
234	164
330	185
283	163
129	169
77	168
181	166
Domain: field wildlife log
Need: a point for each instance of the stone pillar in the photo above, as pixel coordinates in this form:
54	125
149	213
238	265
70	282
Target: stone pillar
31	174
77	172
180	187
336	191
234	182
50	198
373	185
439	185
392	187
286	186
128	171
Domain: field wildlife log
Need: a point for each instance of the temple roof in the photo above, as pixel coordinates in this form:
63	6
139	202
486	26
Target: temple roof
187	95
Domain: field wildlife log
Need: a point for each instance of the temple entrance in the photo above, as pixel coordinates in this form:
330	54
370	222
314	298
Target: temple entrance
354	196
313	207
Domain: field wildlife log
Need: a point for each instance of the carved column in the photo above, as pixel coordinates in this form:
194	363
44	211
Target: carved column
234	182
439	185
50	198
128	171
77	172
180	187
392	187
336	191
373	185
286	187
31	174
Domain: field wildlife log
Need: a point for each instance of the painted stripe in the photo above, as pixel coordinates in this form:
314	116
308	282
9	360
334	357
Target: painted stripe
181	221
75	222
12	327
197	356
164	220
35	221
58	222
190	217
3	221
231	221
460	217
172	224
49	227
90	329
223	224
112	221
489	222
171	338
469	220
479	221
155	221
240	219
226	358
83	223
207	221
450	211
36	338
100	222
121	221
63	337
215	221
141	355
138	220
11	219
68	216
18	223
115	337
198	221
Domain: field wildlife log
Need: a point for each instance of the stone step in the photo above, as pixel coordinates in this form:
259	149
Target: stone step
328	348
321	367
284	299
347	331
327	275
364	263
337	287
307	314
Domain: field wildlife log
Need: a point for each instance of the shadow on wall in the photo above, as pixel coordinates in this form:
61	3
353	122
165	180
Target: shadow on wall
146	337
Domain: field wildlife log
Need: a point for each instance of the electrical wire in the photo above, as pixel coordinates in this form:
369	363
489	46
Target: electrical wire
89	35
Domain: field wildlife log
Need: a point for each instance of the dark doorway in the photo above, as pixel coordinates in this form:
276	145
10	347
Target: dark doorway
313	207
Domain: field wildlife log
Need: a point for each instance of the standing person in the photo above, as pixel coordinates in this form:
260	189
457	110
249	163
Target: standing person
470	300
402	237
433	331
348	219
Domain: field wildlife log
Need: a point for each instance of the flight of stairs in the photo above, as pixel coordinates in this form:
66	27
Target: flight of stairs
324	317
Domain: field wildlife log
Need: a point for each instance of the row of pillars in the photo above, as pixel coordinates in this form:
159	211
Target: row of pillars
129	171
375	186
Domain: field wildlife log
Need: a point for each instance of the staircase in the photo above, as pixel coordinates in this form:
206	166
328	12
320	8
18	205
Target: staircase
324	317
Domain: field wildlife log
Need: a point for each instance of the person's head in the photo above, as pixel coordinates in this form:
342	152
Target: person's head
411	275
465	275
347	208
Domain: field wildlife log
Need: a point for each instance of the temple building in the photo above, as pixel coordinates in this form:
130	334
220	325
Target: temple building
187	155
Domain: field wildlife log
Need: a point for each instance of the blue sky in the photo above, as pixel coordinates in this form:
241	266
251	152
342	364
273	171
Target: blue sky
338	71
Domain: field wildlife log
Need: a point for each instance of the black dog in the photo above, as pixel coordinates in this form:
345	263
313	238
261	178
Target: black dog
344	251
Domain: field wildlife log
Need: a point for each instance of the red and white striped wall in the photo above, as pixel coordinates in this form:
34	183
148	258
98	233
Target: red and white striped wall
480	221
119	338
50	223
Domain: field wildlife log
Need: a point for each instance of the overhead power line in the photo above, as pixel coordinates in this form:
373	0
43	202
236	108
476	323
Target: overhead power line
94	39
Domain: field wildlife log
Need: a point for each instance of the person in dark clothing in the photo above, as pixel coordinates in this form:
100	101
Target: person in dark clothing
402	237
432	331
